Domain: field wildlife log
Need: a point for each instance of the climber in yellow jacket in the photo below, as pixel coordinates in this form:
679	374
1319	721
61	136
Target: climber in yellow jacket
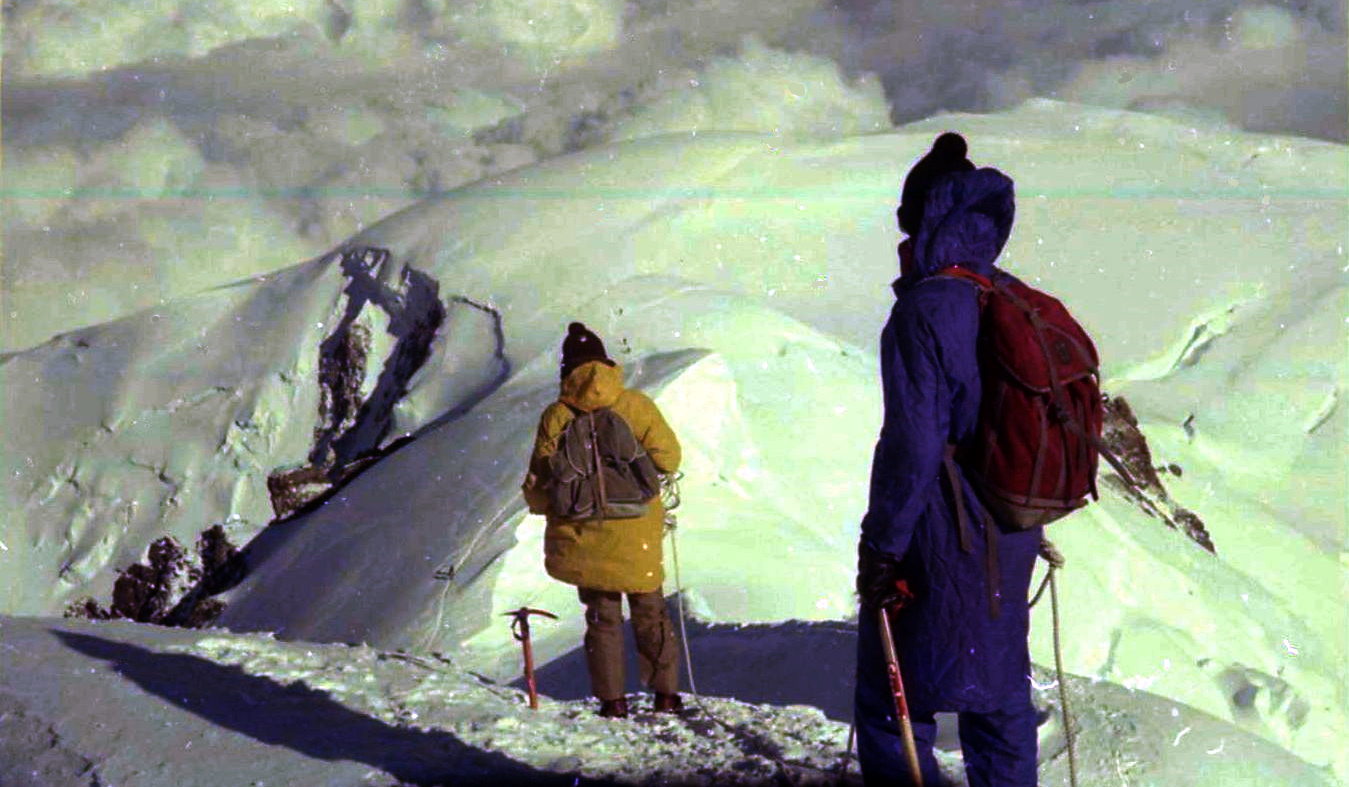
608	558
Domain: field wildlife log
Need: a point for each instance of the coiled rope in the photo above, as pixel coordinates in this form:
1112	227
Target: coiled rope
669	499
1063	686
1055	560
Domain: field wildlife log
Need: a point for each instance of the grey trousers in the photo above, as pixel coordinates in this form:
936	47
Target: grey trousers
657	653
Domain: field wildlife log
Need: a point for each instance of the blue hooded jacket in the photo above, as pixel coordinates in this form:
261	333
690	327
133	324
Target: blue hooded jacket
954	655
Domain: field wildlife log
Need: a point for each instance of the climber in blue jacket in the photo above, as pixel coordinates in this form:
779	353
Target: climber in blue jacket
962	644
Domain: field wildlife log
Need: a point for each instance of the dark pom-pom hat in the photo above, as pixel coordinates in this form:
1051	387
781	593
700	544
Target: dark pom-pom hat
581	346
946	156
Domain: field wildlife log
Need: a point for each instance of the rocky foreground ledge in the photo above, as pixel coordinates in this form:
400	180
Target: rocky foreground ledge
114	702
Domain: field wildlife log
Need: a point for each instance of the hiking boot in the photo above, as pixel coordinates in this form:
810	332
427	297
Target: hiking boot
668	703
614	709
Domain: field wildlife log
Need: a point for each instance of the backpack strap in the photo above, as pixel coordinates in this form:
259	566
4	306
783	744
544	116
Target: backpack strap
963	529
994	577
956	272
565	450
953	477
599	466
980	281
985	286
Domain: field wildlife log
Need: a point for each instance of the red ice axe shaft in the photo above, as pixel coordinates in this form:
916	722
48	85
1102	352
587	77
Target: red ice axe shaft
520	628
897	689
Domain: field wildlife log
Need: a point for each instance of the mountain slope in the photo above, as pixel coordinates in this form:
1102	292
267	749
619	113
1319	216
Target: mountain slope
1187	254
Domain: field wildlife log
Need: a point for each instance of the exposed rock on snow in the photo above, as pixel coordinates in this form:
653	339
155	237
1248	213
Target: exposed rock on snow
165	450
144	592
356	402
170	586
1122	435
291	490
413	313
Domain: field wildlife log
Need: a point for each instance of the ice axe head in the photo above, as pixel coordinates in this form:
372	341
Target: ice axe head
520	626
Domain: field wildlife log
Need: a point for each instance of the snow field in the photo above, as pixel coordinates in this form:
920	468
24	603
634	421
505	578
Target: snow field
1300	226
766	520
1155	612
148	446
1207	262
206	375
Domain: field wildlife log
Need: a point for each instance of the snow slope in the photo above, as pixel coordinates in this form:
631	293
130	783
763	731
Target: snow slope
351	556
1208	265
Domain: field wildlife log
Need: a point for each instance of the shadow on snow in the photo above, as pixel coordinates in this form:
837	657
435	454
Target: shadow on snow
306	720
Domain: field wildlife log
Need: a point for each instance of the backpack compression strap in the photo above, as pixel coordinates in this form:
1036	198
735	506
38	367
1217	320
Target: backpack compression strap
599	466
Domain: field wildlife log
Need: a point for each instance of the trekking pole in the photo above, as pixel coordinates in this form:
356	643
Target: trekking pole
670	501
847	754
520	628
897	688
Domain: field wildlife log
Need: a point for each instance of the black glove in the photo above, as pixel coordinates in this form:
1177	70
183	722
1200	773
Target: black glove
878	580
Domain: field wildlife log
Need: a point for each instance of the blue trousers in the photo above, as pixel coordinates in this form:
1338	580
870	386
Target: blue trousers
1001	747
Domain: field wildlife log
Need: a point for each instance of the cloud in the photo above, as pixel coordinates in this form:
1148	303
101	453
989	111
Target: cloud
1265	67
66	38
538	30
766	90
1261	68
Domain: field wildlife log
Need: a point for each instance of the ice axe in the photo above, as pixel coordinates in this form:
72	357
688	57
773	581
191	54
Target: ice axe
520	628
897	689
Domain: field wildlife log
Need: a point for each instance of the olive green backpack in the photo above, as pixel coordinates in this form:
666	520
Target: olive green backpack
627	478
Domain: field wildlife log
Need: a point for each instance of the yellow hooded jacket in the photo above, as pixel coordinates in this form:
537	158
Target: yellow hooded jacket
622	555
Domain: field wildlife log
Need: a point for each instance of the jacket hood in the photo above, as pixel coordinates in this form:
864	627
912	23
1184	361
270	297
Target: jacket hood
592	385
966	221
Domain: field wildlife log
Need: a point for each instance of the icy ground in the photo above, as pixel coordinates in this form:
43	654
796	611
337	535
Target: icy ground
124	704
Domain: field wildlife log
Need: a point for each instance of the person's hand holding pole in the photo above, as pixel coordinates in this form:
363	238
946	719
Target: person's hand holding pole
880	587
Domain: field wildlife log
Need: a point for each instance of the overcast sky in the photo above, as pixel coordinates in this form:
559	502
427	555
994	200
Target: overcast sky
1278	66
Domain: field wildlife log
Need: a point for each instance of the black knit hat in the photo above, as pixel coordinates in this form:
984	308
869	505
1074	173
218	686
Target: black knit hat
581	346
947	156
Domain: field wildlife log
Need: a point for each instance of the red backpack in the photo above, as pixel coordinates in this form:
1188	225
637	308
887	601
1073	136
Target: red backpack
1033	455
